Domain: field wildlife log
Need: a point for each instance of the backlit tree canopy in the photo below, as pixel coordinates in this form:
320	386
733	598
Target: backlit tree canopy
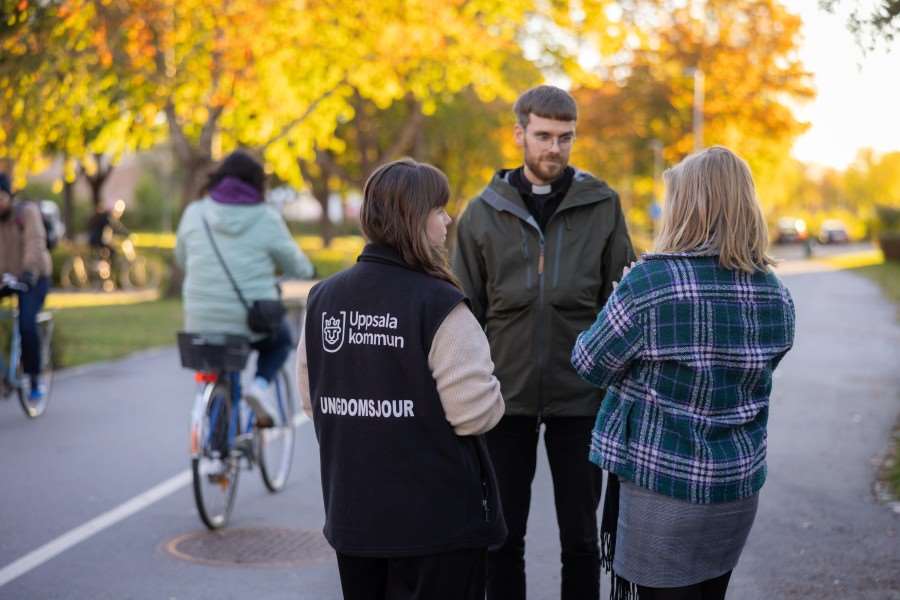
325	90
277	76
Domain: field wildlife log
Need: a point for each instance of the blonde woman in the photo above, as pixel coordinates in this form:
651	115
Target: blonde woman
686	347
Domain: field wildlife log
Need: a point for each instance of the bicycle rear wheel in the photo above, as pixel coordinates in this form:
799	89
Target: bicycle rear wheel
214	466
275	445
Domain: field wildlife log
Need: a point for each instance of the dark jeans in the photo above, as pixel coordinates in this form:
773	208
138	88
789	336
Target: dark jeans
711	589
577	486
273	351
449	576
30	304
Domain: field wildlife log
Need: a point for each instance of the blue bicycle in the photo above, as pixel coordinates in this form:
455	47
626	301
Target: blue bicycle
14	379
224	435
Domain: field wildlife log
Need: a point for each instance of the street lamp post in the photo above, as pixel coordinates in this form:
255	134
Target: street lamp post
699	98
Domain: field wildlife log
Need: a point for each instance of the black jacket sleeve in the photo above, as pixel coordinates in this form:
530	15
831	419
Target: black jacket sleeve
468	264
618	253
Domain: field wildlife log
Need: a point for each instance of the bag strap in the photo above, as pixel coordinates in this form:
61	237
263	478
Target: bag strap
212	240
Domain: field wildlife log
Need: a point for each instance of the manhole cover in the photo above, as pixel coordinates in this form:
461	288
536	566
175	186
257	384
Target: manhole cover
252	547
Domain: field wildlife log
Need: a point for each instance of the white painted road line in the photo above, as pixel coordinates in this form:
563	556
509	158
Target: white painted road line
107	519
92	527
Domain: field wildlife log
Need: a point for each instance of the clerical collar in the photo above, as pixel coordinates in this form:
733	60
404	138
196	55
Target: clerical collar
518	180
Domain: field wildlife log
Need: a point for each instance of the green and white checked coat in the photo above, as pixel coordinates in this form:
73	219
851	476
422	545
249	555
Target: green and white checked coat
687	349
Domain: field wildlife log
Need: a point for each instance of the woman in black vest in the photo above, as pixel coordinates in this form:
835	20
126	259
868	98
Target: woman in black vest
396	373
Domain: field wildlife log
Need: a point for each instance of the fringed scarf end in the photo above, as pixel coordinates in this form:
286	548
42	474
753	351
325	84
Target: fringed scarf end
622	589
607	550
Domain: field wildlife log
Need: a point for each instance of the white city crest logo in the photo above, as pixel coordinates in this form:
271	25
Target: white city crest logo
333	331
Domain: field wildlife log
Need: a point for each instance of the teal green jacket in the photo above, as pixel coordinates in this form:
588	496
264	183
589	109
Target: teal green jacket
255	243
687	350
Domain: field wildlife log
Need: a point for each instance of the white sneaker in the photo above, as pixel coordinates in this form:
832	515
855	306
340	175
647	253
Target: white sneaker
259	397
213	468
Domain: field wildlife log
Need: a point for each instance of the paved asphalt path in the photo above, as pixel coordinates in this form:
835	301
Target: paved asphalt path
116	430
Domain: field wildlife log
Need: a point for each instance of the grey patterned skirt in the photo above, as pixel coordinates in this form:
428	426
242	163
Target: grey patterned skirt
666	542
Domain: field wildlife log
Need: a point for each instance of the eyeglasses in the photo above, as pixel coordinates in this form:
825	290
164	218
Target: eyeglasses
545	140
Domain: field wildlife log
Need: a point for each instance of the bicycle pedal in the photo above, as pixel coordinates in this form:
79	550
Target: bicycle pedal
243	445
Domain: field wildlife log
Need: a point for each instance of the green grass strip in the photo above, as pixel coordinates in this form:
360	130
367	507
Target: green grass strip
90	334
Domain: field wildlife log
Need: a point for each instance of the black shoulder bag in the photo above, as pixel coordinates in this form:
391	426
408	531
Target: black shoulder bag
263	316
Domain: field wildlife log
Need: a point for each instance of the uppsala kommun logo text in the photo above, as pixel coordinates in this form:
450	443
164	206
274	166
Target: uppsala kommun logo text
333	329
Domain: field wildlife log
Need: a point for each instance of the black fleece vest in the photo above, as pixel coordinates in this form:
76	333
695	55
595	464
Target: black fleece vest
396	479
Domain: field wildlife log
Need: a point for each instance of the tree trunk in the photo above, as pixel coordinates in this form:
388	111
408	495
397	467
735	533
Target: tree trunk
68	197
97	180
7	165
326	229
196	171
317	176
96	185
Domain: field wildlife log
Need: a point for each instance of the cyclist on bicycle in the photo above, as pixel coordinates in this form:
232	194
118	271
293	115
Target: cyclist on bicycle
253	241
104	226
24	255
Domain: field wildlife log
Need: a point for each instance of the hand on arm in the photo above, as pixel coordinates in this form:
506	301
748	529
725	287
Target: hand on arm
603	354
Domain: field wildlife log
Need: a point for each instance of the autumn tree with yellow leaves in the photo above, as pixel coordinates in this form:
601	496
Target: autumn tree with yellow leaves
323	91
640	115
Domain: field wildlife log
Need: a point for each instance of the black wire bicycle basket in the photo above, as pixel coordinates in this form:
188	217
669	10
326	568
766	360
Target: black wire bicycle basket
213	351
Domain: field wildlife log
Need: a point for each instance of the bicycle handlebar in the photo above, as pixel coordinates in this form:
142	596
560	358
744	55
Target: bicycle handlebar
11	283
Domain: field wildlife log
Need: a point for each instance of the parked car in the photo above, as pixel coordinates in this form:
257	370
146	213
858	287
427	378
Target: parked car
833	232
791	231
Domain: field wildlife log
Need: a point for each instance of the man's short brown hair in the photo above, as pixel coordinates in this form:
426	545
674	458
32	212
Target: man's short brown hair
545	101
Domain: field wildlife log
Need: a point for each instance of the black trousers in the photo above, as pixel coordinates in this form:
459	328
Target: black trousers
711	589
577	487
458	575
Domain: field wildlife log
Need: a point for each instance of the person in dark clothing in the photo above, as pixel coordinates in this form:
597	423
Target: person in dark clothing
104	226
537	253
396	373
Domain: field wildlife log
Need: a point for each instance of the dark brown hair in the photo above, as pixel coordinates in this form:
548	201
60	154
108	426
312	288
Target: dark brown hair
545	101
397	199
241	165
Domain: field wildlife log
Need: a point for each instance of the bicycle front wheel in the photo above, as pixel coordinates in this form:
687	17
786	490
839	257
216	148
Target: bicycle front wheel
276	444
74	274
214	466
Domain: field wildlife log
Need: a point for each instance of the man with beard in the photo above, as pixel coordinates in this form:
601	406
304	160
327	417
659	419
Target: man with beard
537	253
23	255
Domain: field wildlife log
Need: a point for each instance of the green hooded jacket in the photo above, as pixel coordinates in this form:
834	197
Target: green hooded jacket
534	292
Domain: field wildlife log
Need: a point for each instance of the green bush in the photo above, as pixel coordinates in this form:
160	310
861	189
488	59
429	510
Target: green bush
39	190
154	205
345	227
888	218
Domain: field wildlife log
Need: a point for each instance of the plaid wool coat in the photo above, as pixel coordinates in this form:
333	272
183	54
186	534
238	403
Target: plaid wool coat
686	350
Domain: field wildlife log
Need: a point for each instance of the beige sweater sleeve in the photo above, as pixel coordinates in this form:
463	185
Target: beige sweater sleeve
460	361
303	376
